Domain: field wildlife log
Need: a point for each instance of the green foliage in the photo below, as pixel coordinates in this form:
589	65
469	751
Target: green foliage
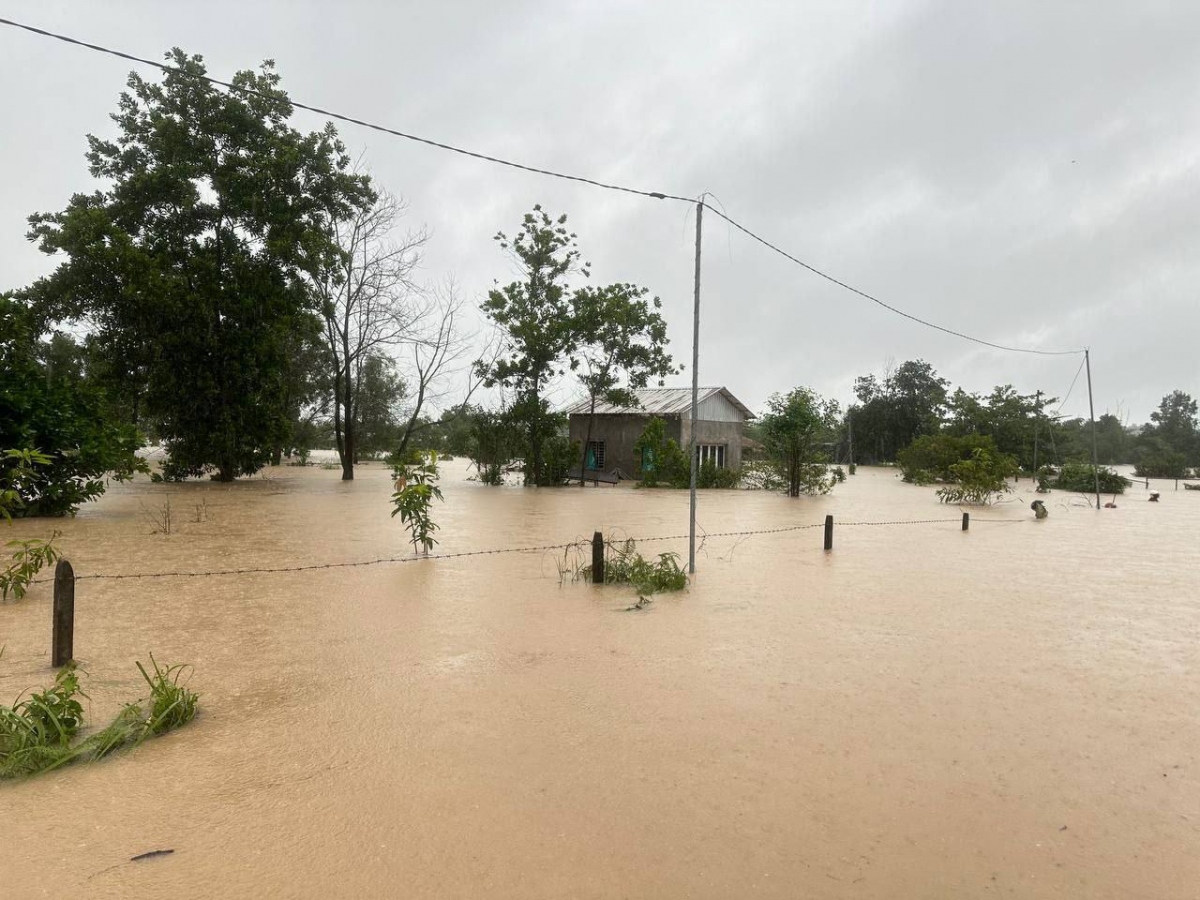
624	565
559	454
711	476
762	475
1080	477
414	500
794	430
894	410
1159	461
664	462
621	343
171	703
28	558
36	734
380	392
20	479
932	457
536	317
1175	428
45	403
191	261
978	479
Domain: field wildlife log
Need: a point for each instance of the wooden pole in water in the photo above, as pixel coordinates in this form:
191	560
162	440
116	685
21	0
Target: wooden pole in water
829	532
63	638
1037	415
966	521
598	558
1087	360
695	395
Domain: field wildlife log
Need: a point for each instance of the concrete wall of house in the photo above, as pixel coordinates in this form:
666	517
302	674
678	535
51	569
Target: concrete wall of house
727	433
619	433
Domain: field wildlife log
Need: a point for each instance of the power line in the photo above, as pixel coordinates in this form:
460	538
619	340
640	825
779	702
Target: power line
742	228
657	195
1058	412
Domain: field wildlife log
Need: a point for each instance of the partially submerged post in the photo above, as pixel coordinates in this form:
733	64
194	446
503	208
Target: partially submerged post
966	521
63	639
598	558
829	532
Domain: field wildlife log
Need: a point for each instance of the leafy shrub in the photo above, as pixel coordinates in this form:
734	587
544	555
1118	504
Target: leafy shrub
977	479
761	475
413	500
931	457
710	476
559	455
1078	477
1161	462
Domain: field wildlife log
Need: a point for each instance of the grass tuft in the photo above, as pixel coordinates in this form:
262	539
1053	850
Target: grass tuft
36	734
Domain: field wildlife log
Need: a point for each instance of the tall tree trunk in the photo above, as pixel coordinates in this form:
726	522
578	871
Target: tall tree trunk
349	440
587	440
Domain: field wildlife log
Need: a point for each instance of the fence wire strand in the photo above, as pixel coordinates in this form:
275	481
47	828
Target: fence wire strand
385	560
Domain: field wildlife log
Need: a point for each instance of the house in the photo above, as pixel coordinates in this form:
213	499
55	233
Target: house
720	424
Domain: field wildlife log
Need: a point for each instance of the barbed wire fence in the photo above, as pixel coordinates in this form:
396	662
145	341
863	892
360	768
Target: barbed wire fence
540	548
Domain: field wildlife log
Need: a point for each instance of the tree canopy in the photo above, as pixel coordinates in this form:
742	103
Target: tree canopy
191	263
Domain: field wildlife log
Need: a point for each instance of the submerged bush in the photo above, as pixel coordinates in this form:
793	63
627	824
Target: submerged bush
624	565
1079	477
977	479
931	457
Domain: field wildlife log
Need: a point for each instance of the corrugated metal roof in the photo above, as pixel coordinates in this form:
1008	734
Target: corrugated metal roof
660	401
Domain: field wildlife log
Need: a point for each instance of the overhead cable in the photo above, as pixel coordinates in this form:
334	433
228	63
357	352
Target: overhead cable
657	195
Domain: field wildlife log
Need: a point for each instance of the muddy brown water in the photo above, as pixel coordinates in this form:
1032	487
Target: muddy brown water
920	713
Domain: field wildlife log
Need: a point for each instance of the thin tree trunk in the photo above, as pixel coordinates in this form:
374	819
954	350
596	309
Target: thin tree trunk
587	440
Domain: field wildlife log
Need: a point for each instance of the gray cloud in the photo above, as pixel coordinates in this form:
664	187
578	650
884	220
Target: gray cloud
1025	172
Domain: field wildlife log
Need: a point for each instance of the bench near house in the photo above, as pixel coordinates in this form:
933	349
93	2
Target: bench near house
720	426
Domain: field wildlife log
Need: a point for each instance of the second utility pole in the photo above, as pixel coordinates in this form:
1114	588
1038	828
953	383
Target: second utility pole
1087	360
695	397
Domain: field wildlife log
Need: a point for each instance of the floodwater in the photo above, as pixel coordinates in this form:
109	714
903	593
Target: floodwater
1014	711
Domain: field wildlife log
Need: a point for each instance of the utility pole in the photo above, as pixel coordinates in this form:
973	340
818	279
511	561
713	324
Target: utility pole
695	396
1087	361
1037	418
850	438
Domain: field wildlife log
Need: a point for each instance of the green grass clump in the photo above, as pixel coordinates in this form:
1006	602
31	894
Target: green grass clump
624	565
36	734
171	704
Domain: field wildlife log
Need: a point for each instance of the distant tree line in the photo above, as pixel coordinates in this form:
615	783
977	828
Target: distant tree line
912	402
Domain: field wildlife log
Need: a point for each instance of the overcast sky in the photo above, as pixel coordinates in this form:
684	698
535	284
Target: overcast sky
1026	172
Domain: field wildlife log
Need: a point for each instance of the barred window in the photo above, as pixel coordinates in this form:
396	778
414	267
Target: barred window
595	455
713	453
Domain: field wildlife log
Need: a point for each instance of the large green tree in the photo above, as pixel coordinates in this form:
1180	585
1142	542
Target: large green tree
621	341
193	262
795	430
536	317
1175	424
892	411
